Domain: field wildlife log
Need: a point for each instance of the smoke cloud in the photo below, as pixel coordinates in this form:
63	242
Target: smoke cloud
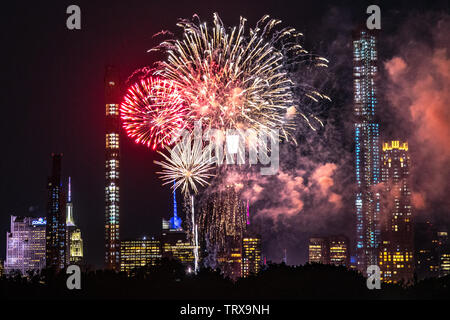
418	94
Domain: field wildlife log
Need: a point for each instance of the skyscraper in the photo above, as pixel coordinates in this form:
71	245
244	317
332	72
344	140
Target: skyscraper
318	250
329	250
396	249
175	242
367	155
139	253
25	245
56	218
112	168
339	253
251	255
427	250
175	221
74	240
176	245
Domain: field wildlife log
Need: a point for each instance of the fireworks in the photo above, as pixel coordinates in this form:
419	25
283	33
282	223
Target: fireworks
238	78
153	112
189	164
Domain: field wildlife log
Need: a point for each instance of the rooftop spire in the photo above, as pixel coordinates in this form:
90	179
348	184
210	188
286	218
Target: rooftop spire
69	192
175	221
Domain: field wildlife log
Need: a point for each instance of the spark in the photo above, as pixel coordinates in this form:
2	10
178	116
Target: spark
237	77
189	164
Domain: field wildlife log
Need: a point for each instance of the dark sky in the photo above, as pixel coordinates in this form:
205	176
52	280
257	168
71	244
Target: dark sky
52	98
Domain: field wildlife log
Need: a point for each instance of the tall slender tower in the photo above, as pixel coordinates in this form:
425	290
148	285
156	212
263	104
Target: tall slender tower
367	154
396	259
56	218
69	206
112	167
175	221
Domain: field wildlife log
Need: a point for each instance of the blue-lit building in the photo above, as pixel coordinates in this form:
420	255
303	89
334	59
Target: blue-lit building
367	153
25	245
56	218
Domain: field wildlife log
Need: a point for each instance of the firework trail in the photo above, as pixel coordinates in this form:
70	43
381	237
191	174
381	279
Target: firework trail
153	112
194	235
238	78
222	219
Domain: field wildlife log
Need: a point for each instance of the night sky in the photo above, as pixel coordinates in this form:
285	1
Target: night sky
53	97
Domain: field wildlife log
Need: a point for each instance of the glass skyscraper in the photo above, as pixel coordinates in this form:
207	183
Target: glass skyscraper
251	255
367	154
139	253
396	258
56	218
112	168
74	240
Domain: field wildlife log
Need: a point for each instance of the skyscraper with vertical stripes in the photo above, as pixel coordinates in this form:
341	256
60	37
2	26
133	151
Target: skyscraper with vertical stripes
112	168
367	153
396	252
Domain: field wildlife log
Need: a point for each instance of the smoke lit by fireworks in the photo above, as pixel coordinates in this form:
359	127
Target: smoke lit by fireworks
153	112
189	163
237	78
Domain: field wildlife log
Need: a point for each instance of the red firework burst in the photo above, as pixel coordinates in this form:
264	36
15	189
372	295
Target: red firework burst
153	112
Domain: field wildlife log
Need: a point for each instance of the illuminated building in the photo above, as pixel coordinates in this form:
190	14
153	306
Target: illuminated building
444	253
139	253
444	264
427	248
396	259
366	148
230	259
175	221
329	250
251	255
176	245
56	218
74	254
338	251
112	169
318	250
175	242
25	245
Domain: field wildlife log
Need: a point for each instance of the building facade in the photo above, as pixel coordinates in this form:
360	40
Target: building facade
251	255
443	253
56	218
396	258
175	244
25	245
74	239
339	251
139	253
112	169
367	154
329	250
427	248
230	259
